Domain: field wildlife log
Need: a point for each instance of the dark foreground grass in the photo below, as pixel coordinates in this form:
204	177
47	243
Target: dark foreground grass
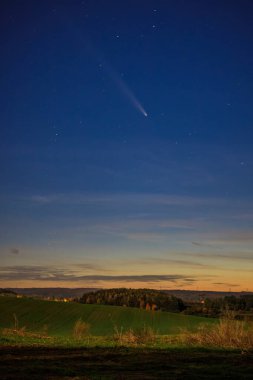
123	363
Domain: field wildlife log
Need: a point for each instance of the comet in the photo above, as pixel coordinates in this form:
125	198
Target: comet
124	89
130	95
116	78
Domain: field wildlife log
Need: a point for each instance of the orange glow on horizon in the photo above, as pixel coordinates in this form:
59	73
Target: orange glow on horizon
197	286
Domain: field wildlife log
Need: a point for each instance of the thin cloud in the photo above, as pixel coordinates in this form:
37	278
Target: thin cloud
14	251
236	237
238	257
46	273
226	284
144	198
232	236
145	236
166	261
200	244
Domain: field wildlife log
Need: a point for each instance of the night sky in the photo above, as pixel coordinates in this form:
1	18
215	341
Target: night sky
126	144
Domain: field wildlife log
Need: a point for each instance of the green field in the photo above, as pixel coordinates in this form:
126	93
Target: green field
58	355
60	317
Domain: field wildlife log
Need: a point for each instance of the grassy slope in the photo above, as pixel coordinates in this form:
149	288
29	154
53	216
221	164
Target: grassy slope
60	317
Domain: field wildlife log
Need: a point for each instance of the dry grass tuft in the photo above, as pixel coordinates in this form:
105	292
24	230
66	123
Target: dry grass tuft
228	333
143	335
21	332
17	331
81	330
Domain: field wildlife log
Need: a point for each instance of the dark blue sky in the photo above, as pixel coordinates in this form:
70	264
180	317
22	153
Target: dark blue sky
78	153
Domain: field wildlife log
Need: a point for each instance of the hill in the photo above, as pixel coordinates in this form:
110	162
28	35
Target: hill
198	295
60	317
185	295
7	292
53	292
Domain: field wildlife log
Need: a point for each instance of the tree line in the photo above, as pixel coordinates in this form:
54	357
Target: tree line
215	307
243	303
148	299
151	299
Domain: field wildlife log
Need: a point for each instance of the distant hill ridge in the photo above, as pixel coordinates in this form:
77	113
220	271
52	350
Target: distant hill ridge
185	295
7	292
53	292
